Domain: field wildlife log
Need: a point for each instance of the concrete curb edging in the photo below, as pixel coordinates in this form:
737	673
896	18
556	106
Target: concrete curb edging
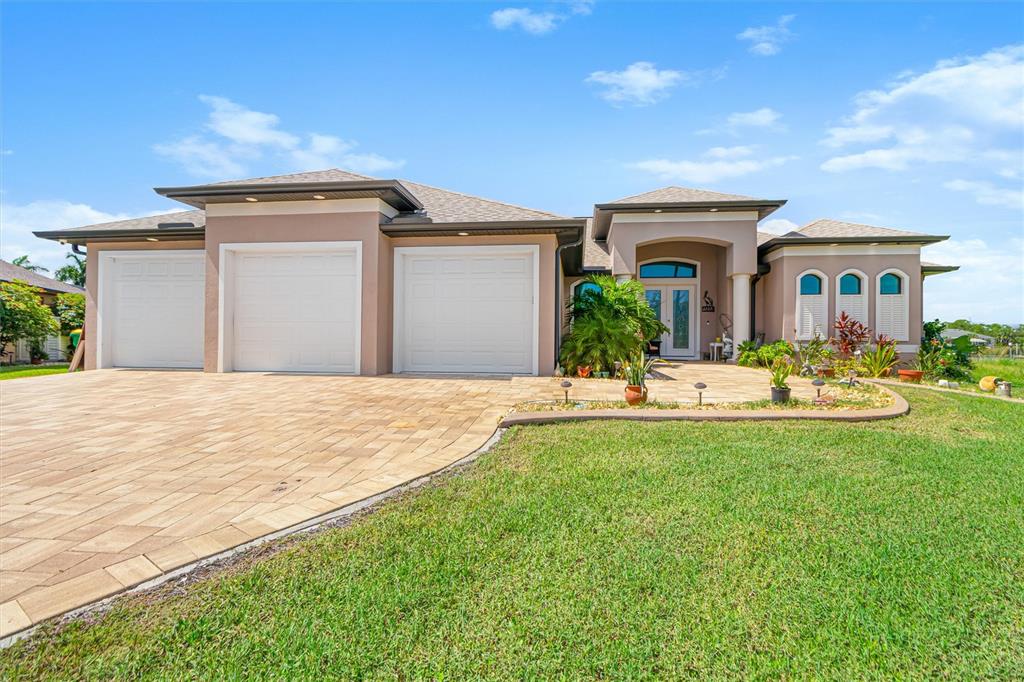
899	408
303	527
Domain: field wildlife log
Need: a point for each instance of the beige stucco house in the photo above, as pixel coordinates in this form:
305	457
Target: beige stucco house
332	271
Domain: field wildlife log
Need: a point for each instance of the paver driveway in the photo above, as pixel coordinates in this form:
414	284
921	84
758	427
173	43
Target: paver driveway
110	478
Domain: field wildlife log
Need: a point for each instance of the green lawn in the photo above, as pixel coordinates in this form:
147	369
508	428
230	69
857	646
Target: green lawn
1009	370
630	550
22	371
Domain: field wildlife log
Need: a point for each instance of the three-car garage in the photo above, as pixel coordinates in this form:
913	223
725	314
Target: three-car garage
299	307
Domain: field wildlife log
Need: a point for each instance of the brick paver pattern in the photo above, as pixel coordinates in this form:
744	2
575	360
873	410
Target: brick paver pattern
110	478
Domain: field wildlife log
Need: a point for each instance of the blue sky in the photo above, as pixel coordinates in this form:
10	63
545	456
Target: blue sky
904	115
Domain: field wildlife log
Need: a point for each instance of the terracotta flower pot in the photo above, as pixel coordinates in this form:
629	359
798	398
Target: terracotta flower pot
36	361
583	371
911	376
636	395
826	372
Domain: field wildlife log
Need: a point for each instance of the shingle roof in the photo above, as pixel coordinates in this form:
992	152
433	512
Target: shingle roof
442	205
595	254
150	222
326	175
674	194
10	271
826	227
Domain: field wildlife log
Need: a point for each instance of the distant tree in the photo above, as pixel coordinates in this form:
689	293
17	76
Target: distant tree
73	272
23	262
1004	334
23	315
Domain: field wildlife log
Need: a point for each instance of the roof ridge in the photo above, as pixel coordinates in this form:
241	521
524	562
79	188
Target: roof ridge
479	198
285	175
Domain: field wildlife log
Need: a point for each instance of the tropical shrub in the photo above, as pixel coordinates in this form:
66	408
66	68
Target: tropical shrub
942	359
764	356
609	324
811	354
73	272
876	362
850	335
781	368
23	315
636	371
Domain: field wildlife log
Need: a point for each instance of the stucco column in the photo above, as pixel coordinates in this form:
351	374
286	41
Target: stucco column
740	310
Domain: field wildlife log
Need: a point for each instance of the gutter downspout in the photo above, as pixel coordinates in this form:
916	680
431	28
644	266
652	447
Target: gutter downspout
558	290
75	248
762	270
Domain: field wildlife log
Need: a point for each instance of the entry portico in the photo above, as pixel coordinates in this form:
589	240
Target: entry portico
715	233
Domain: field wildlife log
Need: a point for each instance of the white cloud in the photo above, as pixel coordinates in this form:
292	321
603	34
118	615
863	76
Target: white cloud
765	117
778	226
717	163
987	194
640	83
988	287
18	222
767	40
965	110
537	23
236	137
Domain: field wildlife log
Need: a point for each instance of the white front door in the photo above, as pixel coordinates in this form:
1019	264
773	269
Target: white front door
466	309
674	306
151	308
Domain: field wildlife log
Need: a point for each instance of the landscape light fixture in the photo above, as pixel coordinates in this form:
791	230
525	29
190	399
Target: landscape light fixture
566	385
818	383
700	386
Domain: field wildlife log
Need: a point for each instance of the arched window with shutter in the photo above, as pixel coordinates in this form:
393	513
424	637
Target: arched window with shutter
811	305
892	305
852	295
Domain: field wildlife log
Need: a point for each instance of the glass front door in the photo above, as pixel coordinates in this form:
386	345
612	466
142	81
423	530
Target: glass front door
674	307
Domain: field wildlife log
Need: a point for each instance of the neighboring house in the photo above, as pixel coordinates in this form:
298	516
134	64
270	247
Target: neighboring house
331	271
53	345
976	339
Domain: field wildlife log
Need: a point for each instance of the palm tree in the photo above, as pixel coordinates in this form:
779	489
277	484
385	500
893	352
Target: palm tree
23	262
74	272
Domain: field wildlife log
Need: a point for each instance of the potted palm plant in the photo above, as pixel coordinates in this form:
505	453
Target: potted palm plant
636	379
781	369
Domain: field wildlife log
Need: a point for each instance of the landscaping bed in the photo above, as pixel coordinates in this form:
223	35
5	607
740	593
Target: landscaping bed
626	550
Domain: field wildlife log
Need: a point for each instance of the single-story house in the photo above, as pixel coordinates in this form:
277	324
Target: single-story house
976	339
53	345
331	271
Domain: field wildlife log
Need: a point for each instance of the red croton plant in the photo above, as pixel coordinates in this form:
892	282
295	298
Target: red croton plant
850	335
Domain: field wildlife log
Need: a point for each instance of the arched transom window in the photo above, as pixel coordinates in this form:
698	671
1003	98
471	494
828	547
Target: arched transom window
811	305
668	270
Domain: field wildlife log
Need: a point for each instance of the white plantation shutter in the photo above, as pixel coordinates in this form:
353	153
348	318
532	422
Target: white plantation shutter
892	311
811	316
856	306
892	316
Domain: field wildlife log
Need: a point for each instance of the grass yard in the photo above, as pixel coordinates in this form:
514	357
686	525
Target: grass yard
885	550
22	371
1007	369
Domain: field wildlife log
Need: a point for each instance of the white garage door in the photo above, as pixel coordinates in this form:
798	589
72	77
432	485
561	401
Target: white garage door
465	310
152	309
296	311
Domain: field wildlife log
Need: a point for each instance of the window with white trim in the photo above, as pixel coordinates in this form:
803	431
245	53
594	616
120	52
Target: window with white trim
852	295
811	305
892	305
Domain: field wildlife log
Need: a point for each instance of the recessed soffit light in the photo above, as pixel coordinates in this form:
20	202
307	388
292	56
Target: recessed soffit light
713	210
251	199
319	196
463	234
152	239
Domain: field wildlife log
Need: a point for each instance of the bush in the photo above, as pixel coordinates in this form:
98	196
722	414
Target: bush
876	362
850	335
71	312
